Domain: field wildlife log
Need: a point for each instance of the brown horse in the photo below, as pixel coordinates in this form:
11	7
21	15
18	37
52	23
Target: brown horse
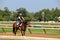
22	27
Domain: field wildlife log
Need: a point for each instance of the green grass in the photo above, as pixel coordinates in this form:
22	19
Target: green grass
52	32
5	30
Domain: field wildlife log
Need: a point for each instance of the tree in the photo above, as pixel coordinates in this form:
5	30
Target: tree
7	13
49	15
14	16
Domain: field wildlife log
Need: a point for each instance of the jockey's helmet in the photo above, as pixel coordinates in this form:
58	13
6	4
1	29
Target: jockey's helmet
20	13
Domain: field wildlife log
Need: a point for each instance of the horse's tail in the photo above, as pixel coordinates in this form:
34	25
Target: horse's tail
13	28
14	25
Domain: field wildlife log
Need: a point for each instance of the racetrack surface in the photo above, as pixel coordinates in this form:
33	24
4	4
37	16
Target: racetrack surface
32	35
25	38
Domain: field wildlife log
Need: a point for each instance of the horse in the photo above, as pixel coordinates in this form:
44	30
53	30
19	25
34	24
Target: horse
22	28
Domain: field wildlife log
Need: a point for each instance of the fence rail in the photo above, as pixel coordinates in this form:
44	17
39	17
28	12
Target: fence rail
40	25
32	28
29	29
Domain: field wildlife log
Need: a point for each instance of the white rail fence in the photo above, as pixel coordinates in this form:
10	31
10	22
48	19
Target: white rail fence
43	25
29	29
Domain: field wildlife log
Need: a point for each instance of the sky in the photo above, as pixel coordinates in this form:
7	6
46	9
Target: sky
29	5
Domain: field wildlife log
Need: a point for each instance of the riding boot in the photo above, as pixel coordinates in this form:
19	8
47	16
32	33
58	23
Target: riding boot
17	24
20	24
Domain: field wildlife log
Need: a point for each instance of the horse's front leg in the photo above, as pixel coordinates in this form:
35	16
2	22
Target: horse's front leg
23	33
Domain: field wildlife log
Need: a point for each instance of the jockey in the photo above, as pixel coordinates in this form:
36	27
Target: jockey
20	19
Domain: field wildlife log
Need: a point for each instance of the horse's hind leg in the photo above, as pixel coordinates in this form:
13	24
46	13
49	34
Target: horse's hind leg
21	32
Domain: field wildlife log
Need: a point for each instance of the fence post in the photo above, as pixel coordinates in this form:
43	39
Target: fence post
44	31
30	31
3	30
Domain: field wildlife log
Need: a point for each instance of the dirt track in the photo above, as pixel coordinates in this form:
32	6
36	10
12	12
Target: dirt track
33	35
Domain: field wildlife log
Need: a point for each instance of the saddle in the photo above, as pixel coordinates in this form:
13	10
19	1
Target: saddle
19	24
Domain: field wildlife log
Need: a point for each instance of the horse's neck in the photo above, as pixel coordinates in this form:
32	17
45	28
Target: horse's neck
24	24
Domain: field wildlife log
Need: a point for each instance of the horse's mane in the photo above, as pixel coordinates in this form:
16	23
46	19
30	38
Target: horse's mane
25	22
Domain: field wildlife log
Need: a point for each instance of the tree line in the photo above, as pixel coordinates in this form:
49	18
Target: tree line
41	15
